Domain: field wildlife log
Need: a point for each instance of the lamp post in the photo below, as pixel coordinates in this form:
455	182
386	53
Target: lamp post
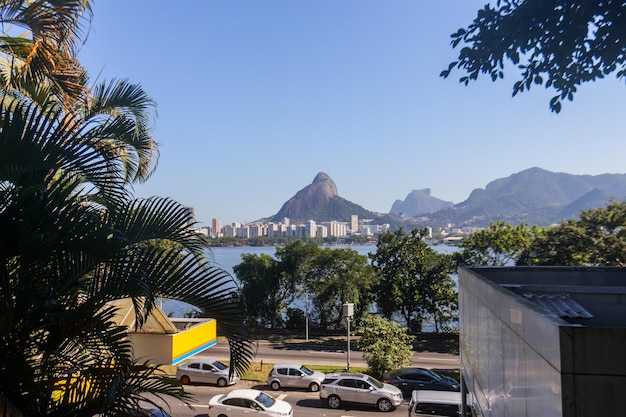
348	313
306	316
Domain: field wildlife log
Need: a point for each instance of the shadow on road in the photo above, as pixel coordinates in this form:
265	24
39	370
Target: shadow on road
309	403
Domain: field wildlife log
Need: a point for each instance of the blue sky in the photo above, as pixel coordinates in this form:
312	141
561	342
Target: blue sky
256	97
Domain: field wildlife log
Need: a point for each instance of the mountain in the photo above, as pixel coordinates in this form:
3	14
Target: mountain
419	202
533	196
320	201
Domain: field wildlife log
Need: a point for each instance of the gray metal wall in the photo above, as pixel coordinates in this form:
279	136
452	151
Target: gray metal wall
510	354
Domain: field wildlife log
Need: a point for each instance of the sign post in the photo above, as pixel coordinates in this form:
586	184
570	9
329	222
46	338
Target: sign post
348	314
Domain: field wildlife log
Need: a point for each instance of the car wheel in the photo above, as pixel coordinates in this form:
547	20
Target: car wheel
384	405
314	386
222	415
221	382
185	380
334	401
275	385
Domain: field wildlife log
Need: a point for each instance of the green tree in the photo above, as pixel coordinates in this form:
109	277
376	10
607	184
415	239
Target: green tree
560	44
415	279
74	238
266	291
598	238
335	277
385	344
498	245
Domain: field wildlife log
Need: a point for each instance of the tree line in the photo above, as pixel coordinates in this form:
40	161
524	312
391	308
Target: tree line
405	279
405	276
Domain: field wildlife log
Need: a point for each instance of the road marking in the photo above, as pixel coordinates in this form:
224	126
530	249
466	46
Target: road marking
281	396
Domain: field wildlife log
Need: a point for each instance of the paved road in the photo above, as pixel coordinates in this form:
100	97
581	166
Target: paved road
317	354
305	404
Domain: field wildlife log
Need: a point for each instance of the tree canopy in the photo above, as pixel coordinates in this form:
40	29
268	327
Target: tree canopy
597	238
328	277
386	344
500	244
558	43
415	279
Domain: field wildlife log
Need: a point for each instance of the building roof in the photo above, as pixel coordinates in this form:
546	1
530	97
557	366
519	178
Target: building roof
586	296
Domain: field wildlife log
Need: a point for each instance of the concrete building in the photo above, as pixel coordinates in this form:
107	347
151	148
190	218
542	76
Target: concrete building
336	228
354	223
311	228
543	341
216	227
162	339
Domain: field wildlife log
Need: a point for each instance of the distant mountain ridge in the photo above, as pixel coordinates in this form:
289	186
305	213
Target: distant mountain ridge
534	196
419	202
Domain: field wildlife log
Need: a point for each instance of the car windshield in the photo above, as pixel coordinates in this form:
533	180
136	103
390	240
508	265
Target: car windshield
219	365
375	382
265	399
306	370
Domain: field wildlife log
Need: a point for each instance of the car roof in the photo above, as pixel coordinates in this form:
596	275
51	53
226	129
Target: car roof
248	393
288	365
202	360
346	374
443	397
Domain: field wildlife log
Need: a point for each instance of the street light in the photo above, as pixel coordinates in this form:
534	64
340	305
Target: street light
306	316
348	313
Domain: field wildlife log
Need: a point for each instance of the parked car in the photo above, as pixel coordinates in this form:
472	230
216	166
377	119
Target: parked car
294	375
427	403
206	370
152	412
350	387
240	402
410	379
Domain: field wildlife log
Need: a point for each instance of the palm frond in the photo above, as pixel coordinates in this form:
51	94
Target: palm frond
122	112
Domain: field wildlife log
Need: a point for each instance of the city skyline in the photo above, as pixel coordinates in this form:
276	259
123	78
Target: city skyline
254	99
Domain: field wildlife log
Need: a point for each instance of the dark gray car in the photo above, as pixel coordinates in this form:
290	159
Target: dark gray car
410	379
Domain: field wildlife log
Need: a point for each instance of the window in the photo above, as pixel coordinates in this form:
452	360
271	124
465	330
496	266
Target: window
194	366
350	383
282	371
417	377
294	372
447	410
237	402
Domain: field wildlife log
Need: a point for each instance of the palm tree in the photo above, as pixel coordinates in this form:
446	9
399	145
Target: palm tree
74	238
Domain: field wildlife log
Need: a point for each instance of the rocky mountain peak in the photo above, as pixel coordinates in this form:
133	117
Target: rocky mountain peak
314	195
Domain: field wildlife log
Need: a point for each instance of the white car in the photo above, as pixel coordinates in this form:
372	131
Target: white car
247	402
206	370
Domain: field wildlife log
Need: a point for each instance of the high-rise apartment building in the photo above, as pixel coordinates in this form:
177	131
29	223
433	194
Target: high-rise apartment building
354	223
216	227
311	228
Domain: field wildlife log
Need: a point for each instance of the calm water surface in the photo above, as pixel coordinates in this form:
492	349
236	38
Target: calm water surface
228	257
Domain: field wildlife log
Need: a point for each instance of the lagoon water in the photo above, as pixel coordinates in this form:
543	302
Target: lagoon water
228	257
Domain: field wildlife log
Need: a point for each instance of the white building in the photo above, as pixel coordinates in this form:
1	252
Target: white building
310	228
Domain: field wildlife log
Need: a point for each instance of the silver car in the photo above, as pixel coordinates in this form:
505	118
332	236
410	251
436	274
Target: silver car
206	370
349	387
294	375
